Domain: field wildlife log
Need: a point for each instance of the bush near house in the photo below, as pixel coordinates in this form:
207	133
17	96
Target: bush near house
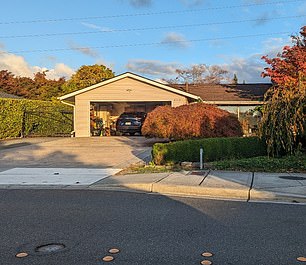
33	117
197	120
214	149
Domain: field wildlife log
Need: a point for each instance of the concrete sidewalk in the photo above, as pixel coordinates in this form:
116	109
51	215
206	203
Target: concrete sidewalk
246	186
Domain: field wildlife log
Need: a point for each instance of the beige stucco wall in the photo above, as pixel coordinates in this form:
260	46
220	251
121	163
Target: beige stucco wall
127	89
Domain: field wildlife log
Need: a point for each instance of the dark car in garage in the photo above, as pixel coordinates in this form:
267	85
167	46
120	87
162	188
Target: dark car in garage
130	122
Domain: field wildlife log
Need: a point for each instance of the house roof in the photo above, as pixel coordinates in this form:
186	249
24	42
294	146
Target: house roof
226	93
6	95
136	77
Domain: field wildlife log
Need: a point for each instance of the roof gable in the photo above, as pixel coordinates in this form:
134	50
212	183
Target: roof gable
133	76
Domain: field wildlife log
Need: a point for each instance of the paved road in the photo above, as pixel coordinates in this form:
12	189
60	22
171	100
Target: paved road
148	229
93	152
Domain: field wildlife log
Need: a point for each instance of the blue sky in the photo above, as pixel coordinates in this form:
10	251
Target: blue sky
148	37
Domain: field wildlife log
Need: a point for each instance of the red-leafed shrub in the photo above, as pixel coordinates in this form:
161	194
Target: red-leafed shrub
191	121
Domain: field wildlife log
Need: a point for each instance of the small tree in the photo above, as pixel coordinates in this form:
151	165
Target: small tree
283	122
235	80
197	120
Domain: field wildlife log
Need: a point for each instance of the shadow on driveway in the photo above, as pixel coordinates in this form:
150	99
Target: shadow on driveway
94	152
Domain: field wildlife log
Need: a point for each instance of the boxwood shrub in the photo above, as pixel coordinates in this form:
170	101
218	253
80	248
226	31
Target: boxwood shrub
34	117
214	149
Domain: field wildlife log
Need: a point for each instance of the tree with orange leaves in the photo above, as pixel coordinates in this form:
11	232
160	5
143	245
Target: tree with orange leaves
283	123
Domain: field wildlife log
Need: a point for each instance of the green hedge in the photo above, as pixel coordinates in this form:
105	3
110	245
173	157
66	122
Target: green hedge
34	117
214	149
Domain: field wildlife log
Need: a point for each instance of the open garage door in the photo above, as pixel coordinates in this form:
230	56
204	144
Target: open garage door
103	115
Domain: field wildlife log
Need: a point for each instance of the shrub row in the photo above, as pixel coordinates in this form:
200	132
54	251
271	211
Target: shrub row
33	117
214	149
197	120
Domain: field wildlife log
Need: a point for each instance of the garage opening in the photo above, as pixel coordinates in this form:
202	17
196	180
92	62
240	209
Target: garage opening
103	115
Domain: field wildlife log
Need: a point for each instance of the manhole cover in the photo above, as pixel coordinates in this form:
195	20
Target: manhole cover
50	248
292	178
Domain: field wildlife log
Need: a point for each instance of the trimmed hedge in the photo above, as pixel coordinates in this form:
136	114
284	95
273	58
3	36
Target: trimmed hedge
33	117
214	149
198	120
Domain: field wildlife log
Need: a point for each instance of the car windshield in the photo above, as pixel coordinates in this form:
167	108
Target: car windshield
132	115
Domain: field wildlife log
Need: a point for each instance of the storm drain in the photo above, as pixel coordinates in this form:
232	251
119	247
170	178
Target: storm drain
50	248
292	178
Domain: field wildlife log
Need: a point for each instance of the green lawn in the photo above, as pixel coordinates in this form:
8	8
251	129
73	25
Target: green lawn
261	164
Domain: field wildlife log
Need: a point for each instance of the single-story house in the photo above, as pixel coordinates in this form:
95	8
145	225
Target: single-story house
126	92
130	92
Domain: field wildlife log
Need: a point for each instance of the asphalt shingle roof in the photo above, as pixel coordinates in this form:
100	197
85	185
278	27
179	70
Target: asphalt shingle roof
226	92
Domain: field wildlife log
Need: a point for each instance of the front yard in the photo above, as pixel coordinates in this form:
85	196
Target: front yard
295	163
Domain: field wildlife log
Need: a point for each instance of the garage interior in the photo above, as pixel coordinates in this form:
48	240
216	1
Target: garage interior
103	115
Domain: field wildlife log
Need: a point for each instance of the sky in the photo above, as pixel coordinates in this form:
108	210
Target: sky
151	38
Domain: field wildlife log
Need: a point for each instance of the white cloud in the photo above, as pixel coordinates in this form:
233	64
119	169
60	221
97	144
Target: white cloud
152	67
141	3
247	69
15	64
272	46
60	70
250	68
176	40
20	67
97	27
263	19
84	50
193	3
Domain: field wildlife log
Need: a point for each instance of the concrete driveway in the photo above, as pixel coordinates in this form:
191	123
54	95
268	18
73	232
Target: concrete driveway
73	162
94	152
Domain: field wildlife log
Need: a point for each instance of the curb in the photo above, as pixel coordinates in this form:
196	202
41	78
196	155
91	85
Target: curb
212	193
256	195
220	193
237	194
181	190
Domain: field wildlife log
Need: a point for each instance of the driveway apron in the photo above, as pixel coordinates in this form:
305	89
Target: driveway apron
33	161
